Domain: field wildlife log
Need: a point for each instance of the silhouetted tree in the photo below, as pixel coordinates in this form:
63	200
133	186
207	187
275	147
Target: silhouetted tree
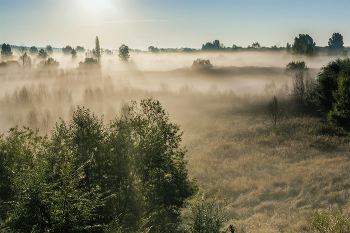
49	49
335	44
288	48
123	53
74	53
153	49
67	50
6	52
213	46
97	50
42	54
49	63
33	50
80	49
201	64
24	59
256	45
304	45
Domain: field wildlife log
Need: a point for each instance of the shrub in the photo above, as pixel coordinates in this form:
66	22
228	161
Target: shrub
340	114
206	215
201	64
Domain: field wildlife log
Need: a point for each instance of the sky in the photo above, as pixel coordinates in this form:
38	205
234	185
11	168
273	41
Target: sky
170	23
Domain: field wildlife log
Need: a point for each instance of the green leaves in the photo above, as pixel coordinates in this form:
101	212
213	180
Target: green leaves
130	174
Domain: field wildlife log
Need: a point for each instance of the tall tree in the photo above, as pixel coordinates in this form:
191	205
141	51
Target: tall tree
304	45
33	50
24	58
123	53
97	49
335	44
6	52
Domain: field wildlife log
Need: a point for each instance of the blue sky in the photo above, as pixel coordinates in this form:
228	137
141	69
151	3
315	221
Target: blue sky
170	23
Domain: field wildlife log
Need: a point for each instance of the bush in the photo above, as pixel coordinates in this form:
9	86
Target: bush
328	80
201	64
330	220
340	114
206	215
295	66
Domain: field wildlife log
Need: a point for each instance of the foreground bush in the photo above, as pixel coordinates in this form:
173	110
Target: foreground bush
128	176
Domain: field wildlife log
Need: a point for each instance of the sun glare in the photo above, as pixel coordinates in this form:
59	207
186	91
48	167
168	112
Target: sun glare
96	6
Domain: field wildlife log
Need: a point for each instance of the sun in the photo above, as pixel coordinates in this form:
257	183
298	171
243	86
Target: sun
96	6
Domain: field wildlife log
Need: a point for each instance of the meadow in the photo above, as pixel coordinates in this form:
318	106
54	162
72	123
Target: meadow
272	178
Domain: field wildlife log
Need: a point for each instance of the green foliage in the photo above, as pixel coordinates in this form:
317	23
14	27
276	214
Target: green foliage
6	51
123	53
296	65
42	54
304	45
330	220
129	176
335	44
340	114
207	216
327	82
201	64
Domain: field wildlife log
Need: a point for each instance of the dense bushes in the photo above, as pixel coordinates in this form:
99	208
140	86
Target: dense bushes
201	64
129	176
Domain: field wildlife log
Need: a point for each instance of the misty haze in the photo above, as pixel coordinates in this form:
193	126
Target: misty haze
216	137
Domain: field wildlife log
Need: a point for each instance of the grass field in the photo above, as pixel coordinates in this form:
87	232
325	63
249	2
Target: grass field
273	179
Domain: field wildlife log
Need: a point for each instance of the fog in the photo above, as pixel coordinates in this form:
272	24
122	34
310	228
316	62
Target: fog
39	97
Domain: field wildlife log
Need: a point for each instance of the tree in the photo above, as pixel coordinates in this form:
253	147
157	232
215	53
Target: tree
123	53
129	175
74	53
335	44
213	46
67	50
49	63
42	54
153	49
304	45
24	59
275	112
201	64
295	66
6	52
328	82
288	48
340	113
33	50
97	51
80	49
49	50
256	45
